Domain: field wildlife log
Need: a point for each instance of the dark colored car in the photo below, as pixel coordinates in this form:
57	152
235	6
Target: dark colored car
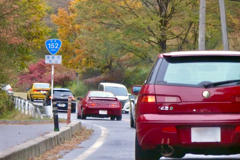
60	96
189	103
100	104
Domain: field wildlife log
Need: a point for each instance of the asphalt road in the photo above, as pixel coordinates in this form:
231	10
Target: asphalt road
117	142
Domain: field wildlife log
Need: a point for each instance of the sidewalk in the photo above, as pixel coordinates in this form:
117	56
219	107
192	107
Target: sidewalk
24	141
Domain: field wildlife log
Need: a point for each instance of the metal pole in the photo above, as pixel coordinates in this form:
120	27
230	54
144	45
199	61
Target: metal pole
69	110
224	25
55	117
51	116
202	17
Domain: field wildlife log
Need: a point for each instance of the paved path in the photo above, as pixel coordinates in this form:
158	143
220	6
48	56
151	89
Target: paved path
12	135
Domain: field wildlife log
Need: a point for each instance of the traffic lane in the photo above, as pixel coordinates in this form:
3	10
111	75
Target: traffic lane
118	144
112	146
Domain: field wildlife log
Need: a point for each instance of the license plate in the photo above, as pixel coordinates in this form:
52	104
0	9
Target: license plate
43	91
206	134
102	112
61	105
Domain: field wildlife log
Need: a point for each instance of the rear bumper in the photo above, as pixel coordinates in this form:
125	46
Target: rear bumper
65	107
150	134
95	112
38	96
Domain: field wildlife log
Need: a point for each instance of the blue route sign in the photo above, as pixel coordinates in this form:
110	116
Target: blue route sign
53	45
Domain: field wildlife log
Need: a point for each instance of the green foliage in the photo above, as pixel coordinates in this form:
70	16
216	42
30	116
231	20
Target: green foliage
79	89
22	31
6	104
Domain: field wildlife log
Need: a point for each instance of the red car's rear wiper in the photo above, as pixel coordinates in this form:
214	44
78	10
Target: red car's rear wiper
214	84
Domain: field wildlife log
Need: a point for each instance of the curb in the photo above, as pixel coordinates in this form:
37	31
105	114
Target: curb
37	146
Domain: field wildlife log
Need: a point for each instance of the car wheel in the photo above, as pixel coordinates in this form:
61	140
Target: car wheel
132	124
141	154
82	115
31	99
112	118
119	118
73	111
78	116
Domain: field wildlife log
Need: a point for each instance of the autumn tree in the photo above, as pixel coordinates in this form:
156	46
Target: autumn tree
22	30
41	72
117	37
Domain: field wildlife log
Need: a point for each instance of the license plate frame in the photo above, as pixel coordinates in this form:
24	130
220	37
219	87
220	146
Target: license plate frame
61	105
205	134
103	112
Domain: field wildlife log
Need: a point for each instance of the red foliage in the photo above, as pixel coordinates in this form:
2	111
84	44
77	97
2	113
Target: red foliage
41	72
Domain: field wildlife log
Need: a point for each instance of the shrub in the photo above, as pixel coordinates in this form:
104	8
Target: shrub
6	103
79	88
41	72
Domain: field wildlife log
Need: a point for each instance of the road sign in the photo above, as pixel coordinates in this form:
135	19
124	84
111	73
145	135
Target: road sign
53	59
53	45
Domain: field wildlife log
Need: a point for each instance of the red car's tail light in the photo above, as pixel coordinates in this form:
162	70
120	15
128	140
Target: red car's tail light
92	104
51	97
148	98
169	129
236	99
237	129
168	99
113	105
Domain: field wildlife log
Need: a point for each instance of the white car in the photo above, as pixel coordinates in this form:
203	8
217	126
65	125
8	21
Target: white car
119	90
7	88
126	107
135	91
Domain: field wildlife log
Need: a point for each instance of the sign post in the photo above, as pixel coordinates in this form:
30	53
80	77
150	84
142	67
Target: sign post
53	46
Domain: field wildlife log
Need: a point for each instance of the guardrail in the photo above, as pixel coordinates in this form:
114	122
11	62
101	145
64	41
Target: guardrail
29	108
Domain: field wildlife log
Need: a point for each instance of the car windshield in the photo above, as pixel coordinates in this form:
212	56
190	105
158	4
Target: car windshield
62	93
117	91
101	94
42	86
200	72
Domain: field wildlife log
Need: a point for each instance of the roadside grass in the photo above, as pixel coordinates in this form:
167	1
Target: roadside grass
17	117
20	94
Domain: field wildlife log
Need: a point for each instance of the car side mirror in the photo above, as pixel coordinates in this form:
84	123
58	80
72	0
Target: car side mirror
136	89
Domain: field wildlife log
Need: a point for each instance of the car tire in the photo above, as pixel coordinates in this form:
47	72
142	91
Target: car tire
132	124
141	154
82	115
112	118
78	116
73	111
119	118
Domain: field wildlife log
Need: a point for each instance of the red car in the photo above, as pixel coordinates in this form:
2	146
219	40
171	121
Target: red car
189	103
100	104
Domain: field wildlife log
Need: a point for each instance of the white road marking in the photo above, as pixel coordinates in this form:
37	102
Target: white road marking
96	145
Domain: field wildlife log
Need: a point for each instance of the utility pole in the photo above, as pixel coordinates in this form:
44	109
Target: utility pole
202	17
223	25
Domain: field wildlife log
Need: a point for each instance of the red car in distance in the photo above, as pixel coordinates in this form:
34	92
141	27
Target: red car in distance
99	104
